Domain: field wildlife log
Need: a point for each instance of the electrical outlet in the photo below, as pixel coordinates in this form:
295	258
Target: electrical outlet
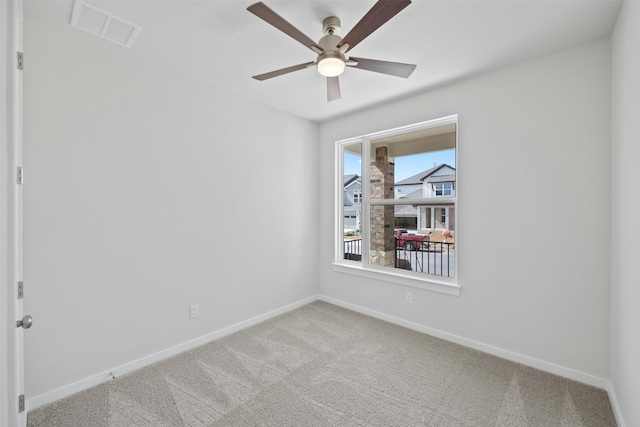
194	311
409	297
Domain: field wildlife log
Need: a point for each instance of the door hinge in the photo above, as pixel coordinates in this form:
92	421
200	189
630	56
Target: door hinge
20	290
20	175
20	60
21	403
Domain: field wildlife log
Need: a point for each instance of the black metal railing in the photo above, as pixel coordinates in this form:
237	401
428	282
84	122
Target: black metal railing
353	249
437	258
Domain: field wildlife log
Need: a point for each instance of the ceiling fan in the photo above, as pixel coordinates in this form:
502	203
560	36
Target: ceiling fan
332	49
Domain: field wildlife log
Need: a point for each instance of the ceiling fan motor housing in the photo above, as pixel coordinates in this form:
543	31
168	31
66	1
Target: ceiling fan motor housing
330	44
330	55
331	26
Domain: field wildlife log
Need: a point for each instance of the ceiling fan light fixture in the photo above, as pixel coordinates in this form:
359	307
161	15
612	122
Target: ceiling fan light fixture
332	49
331	66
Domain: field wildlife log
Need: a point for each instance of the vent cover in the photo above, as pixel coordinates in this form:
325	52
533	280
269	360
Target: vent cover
103	24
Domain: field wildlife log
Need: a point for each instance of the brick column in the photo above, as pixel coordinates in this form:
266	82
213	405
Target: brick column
382	217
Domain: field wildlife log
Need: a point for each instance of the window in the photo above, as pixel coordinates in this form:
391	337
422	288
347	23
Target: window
443	189
409	240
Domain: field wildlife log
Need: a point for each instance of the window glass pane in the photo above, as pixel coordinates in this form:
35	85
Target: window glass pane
402	248
352	199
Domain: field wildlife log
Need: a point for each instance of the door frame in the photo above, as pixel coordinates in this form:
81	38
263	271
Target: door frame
11	337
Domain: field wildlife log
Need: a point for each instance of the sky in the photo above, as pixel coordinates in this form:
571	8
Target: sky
406	166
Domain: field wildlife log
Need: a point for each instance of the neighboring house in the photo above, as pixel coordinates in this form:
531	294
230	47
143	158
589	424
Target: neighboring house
352	200
437	182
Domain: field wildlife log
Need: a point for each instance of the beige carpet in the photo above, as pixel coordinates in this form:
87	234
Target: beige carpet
322	365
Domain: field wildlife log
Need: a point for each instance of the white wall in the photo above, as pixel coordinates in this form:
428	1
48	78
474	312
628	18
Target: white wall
131	213
625	127
541	292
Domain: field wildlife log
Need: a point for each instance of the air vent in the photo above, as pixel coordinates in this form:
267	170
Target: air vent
103	24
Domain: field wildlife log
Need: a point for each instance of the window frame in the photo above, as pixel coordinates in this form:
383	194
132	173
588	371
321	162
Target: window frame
363	268
444	189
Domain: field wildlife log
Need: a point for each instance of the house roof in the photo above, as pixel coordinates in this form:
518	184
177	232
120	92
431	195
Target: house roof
408	210
413	195
348	179
420	177
441	178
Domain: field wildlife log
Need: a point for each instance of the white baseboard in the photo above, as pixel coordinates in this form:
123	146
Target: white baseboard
68	390
496	351
615	405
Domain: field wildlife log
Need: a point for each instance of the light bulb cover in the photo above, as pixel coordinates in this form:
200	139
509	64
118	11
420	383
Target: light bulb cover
331	66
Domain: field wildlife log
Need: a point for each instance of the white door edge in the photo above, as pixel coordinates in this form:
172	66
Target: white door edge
11	355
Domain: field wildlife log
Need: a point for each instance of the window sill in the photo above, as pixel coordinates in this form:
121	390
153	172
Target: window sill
430	283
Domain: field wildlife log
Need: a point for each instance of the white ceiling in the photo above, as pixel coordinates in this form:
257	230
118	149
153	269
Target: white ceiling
222	43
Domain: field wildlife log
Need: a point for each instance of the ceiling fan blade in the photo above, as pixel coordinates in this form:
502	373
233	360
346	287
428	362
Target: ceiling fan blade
282	71
380	13
262	11
385	67
333	88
